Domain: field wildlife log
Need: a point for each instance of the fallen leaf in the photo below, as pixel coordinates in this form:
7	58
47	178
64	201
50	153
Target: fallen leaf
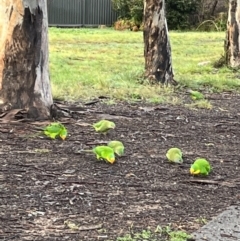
209	144
71	225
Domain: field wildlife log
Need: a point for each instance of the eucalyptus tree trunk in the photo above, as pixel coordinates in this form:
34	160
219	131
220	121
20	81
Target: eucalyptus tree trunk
232	41
24	74
157	49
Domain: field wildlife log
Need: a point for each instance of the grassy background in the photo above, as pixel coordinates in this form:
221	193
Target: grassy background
86	63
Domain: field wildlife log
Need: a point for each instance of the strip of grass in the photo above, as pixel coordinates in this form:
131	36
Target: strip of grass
160	234
86	63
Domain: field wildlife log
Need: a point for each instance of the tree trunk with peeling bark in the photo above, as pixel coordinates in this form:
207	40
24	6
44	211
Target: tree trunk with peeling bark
24	74
157	49
232	41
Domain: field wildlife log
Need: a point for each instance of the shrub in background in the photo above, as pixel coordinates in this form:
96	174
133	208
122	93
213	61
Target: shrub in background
181	14
130	13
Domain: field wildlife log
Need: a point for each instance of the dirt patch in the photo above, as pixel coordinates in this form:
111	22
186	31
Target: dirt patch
44	184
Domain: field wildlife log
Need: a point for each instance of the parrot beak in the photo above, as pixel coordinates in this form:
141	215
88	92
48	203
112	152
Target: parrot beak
111	160
193	172
63	137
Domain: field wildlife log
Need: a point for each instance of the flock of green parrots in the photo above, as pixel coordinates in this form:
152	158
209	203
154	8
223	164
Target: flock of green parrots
102	152
200	166
107	152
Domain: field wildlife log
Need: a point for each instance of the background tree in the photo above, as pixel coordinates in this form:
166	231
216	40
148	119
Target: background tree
24	74
232	42
157	50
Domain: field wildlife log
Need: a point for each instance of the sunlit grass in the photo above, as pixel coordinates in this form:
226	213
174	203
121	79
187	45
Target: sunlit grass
200	104
87	63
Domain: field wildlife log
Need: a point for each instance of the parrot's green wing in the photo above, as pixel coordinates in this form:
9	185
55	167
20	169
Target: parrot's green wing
174	155
196	95
208	168
63	133
98	124
104	152
104	126
117	146
200	167
119	150
52	130
53	127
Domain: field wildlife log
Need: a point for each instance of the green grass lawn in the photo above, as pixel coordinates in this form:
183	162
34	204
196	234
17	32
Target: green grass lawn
87	63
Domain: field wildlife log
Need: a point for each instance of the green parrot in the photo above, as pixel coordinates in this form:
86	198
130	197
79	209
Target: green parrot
103	126
200	167
196	95
174	155
103	153
117	146
54	130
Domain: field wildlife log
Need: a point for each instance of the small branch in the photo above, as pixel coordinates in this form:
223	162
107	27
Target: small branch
213	182
90	227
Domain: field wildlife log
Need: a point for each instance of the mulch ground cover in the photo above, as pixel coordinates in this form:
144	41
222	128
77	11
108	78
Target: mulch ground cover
50	191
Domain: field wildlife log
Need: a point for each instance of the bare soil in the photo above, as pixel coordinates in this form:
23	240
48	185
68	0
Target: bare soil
46	186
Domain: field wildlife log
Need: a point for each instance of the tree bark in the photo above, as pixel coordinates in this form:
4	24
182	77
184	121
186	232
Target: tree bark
24	73
157	49
232	41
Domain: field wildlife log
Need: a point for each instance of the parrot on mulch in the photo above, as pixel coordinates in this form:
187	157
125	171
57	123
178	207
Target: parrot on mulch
200	167
196	95
105	153
55	130
103	126
174	155
117	146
